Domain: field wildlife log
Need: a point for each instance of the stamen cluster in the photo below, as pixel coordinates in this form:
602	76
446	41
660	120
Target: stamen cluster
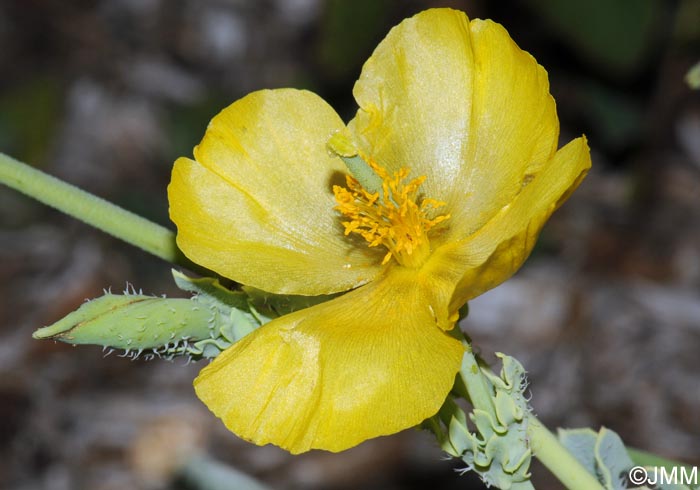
392	217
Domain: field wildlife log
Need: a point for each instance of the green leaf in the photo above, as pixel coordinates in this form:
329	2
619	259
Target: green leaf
581	444
612	460
604	455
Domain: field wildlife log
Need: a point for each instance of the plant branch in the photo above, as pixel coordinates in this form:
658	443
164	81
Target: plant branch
95	211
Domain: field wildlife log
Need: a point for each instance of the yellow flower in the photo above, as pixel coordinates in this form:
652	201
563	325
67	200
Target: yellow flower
461	134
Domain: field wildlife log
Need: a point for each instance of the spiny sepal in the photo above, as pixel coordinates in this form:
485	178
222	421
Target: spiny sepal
202	326
134	323
234	314
198	327
498	449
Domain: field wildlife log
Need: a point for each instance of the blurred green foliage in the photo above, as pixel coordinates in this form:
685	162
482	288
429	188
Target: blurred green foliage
185	124
29	115
618	116
692	78
687	28
348	33
617	34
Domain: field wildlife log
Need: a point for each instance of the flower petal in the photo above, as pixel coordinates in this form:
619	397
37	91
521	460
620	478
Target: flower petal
459	102
371	362
499	248
257	204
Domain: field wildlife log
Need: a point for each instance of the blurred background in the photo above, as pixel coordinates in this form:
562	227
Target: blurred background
106	94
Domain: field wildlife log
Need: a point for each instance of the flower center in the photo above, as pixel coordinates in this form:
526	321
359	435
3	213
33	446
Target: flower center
390	217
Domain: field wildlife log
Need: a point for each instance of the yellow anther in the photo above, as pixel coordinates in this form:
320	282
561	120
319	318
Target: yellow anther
392	219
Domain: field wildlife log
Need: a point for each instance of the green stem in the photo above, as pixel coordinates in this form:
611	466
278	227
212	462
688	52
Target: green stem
547	448
644	458
118	222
